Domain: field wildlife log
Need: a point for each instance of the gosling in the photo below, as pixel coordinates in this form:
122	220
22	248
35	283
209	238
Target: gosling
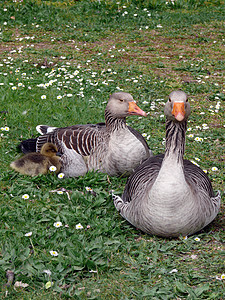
35	163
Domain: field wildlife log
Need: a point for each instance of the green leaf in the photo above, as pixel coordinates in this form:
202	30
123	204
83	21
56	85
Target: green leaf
181	287
201	289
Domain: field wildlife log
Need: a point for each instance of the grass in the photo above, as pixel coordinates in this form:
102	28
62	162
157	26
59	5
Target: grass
60	60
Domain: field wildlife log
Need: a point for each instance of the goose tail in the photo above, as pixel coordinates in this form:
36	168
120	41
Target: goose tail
28	146
44	129
118	202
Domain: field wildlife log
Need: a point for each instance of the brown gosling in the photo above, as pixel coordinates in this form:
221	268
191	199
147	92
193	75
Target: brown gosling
35	163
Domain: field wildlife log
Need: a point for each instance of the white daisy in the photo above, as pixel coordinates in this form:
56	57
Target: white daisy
61	175
57	224
54	253
79	226
52	168
28	233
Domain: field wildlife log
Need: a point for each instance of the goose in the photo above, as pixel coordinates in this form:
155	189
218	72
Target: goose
167	195
111	147
35	163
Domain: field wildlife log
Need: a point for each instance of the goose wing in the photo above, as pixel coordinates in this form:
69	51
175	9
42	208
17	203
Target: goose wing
80	138
197	178
141	139
144	175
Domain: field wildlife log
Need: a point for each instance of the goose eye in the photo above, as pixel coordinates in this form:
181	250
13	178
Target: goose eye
121	100
169	100
187	100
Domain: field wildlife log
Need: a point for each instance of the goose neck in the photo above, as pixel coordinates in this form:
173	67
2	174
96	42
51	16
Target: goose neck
175	139
113	123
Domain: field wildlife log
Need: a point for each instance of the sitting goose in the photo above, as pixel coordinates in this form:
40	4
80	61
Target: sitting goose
111	147
35	163
167	195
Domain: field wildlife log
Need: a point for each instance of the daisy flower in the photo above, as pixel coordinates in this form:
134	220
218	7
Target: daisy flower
173	271
214	169
61	175
194	162
25	196
57	224
198	139
59	192
6	128
79	226
54	253
28	233
197	239
43	97
52	169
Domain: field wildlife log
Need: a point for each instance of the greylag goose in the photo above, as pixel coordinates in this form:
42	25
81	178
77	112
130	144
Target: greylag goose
167	195
111	147
35	163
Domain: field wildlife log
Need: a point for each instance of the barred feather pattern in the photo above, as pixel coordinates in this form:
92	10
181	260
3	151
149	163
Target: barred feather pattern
175	138
113	123
80	138
197	204
110	147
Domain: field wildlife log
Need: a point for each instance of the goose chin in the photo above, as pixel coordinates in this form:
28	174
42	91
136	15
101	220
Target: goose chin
179	117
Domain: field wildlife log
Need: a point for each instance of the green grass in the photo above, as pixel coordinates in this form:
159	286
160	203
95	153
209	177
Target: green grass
76	54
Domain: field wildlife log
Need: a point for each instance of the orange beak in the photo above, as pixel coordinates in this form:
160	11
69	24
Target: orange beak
178	111
135	110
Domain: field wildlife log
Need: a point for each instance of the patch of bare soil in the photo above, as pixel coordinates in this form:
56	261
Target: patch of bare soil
150	50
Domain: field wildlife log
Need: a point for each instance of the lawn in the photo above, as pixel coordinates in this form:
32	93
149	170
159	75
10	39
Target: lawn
59	62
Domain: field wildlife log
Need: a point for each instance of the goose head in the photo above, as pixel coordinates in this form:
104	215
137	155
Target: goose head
49	149
177	108
122	104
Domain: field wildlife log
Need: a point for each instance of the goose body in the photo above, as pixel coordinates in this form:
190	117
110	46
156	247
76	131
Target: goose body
35	163
167	195
111	147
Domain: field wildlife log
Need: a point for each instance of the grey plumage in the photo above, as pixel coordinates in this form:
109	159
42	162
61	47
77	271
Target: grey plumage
167	195
111	147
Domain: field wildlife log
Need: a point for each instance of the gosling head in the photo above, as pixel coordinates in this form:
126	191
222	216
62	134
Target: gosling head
49	149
